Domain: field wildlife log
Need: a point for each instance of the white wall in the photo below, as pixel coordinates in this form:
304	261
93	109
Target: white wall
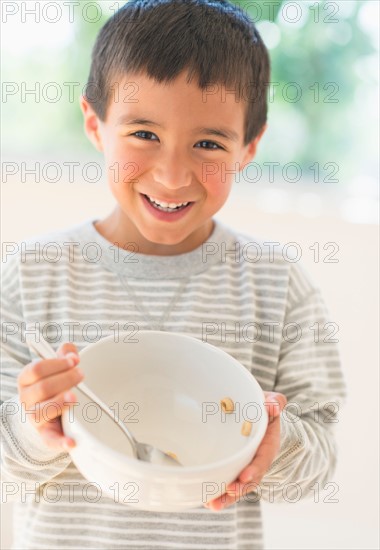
350	289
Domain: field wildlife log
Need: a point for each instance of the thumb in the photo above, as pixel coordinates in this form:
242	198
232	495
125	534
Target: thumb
274	403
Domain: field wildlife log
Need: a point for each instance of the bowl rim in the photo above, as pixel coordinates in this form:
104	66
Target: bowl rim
123	459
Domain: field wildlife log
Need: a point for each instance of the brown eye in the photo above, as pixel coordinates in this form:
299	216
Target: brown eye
144	134
215	145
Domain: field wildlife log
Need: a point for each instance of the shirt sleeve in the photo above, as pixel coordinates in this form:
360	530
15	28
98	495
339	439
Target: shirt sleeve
310	376
26	462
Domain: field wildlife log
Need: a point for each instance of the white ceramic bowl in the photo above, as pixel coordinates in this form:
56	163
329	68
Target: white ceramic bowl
167	388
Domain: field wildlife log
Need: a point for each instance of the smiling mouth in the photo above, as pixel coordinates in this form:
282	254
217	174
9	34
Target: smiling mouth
167	208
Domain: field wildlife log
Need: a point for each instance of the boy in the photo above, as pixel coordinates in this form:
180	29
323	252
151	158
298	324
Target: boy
159	106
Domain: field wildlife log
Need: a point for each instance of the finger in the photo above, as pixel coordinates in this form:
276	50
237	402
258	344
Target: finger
50	386
265	454
67	347
232	495
274	403
47	411
54	438
41	368
235	491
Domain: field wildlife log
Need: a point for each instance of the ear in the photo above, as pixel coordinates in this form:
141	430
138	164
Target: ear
252	147
91	124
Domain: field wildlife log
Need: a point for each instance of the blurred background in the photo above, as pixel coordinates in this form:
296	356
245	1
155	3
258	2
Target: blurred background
322	100
314	181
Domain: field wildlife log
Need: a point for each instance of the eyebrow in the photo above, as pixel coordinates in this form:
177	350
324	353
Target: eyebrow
220	131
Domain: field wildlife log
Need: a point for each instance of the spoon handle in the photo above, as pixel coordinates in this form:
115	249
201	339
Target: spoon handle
45	351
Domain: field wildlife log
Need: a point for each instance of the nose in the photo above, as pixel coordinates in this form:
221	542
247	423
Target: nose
172	171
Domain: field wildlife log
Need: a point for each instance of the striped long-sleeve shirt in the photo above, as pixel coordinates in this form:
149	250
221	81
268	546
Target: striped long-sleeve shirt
239	294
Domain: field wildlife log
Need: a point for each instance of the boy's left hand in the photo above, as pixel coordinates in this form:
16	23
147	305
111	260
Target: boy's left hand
265	455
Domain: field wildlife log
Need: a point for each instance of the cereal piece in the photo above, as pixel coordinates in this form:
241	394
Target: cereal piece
227	405
246	428
173	455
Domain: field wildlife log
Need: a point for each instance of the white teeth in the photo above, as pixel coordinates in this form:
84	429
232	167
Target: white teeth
166	204
163	204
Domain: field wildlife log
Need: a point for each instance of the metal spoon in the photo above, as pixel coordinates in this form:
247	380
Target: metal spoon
141	451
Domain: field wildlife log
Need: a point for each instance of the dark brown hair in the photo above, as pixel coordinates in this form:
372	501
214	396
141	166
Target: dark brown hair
213	39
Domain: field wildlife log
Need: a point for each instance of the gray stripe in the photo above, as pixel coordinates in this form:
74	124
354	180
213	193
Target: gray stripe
219	292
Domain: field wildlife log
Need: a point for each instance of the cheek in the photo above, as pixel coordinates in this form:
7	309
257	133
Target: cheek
125	165
217	187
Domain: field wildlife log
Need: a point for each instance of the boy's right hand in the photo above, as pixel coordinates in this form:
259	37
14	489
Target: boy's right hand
47	381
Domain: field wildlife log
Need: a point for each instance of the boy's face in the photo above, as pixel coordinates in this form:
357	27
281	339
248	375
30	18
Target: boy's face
171	156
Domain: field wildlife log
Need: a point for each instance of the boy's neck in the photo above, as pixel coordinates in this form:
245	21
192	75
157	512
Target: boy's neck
122	231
